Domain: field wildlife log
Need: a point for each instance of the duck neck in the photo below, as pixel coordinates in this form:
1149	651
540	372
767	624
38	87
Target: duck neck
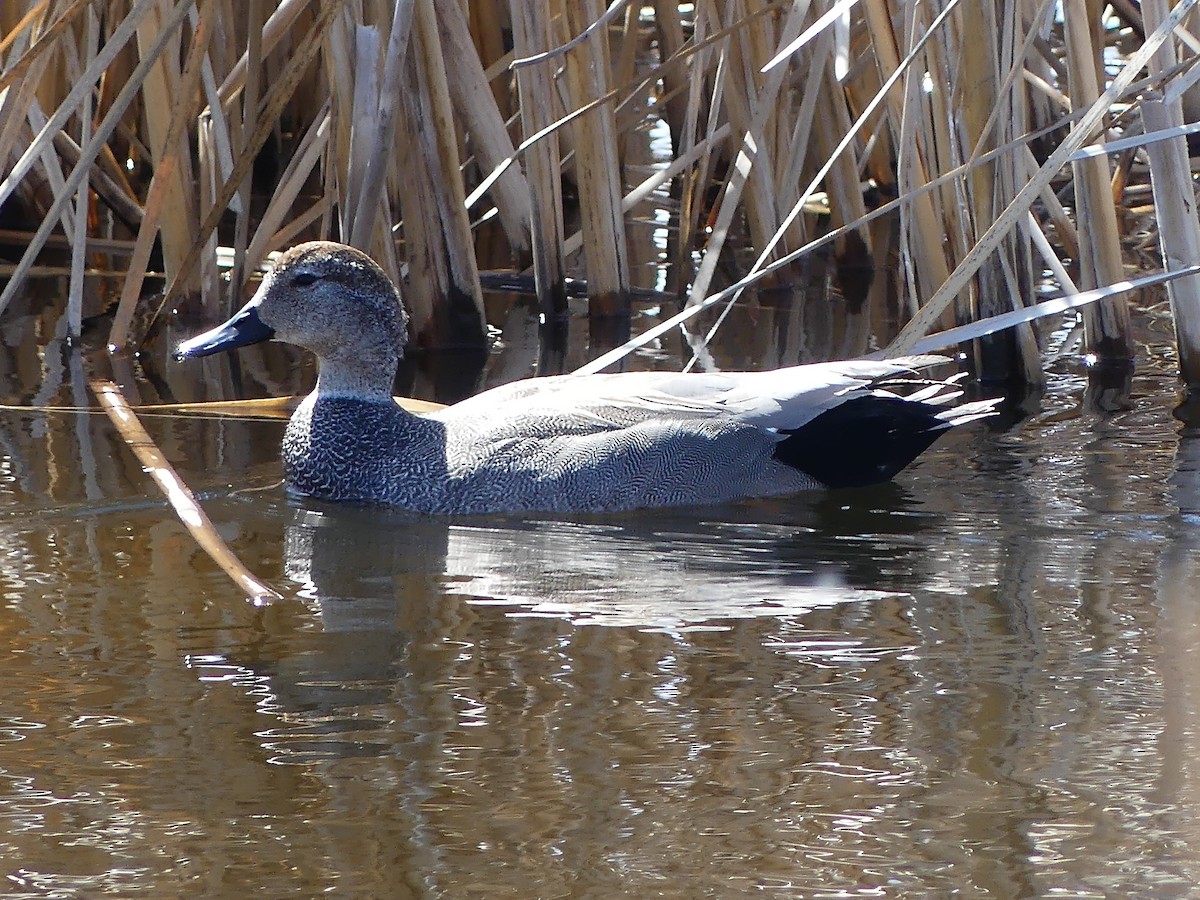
367	376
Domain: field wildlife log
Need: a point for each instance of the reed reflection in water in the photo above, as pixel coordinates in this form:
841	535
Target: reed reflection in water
981	678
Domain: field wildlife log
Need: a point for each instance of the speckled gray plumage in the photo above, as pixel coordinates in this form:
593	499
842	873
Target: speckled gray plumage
565	444
368	451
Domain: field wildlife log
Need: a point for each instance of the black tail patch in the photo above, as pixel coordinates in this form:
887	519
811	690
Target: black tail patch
866	440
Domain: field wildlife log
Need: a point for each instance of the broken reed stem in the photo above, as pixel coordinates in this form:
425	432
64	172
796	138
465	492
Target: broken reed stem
178	494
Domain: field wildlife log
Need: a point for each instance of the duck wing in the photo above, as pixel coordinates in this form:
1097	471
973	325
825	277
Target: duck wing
779	400
654	438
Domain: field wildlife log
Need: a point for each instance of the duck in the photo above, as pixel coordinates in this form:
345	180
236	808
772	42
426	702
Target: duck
568	443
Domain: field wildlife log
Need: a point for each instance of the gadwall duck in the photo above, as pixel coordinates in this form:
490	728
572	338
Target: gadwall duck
567	443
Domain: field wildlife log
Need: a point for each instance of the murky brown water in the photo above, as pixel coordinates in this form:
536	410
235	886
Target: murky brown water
984	678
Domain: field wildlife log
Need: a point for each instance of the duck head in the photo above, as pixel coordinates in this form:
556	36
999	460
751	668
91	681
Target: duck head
328	298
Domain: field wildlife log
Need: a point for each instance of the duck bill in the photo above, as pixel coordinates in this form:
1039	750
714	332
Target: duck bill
243	329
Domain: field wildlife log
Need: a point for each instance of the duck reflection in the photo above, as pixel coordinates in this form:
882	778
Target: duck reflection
400	597
664	569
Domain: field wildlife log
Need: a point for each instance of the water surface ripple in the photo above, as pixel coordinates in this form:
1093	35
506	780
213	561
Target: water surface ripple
982	678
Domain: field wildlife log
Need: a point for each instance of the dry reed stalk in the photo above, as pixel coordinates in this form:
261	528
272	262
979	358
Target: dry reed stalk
311	148
623	71
121	35
656	179
13	30
367	207
751	110
822	100
79	239
160	184
442	288
117	108
57	271
338	63
482	118
1078	301
363	131
923	227
249	101
1087	122
719	220
48	166
847	205
669	26
1107	332
1064	229
1171	178
214	142
916	197
990	113
111	246
910	337
750	105
530	19
597	168
774	112
178	494
207	153
1178	228
487	27
161	97
462	303
281	92
46	39
288	234
117	195
273	31
695	188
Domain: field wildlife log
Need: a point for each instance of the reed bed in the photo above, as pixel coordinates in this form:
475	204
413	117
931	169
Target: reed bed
913	166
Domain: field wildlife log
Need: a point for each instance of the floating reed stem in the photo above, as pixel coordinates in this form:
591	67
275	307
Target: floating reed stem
178	494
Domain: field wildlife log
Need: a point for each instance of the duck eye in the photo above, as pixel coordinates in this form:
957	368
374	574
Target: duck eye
304	278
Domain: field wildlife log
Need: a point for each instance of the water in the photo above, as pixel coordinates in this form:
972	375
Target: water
981	679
